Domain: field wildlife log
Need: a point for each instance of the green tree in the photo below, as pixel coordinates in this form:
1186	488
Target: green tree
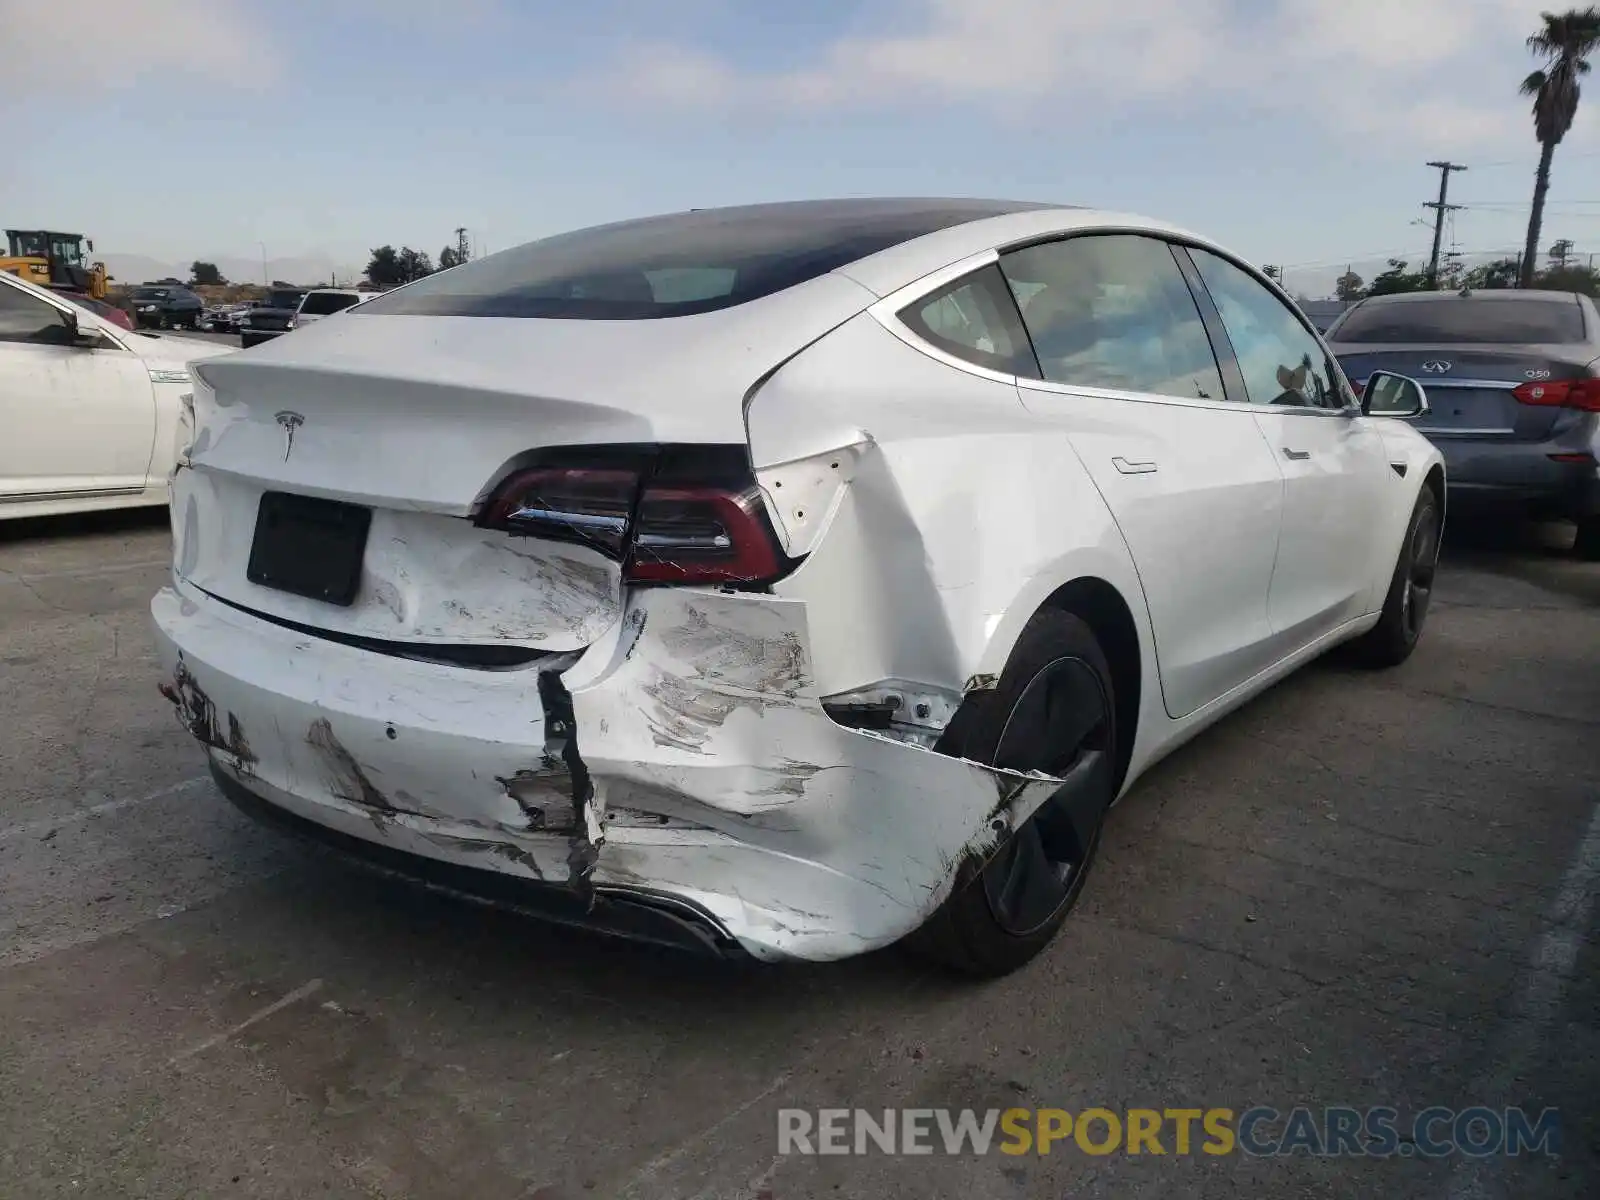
1349	286
414	264
1564	41
448	257
383	268
204	272
1573	278
1397	279
1501	273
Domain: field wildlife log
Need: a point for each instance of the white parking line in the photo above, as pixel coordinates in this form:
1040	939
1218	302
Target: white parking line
300	993
1538	1004
79	815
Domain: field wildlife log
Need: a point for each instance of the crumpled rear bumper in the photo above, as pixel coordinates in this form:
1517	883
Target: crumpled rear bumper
684	761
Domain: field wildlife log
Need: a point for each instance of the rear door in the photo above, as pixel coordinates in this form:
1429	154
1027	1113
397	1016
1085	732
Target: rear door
1336	473
1130	372
78	421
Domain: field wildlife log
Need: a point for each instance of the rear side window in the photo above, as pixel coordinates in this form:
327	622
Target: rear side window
678	265
975	319
321	304
1485	320
1114	311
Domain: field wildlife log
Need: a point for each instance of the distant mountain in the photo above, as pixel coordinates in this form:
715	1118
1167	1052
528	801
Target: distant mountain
139	268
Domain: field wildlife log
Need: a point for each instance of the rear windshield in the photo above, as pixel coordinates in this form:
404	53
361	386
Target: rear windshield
1481	319
320	304
284	300
677	265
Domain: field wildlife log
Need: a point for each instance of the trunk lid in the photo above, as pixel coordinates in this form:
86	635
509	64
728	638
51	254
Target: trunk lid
1470	386
415	419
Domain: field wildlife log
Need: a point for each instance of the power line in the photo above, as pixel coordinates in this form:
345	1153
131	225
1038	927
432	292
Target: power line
1440	208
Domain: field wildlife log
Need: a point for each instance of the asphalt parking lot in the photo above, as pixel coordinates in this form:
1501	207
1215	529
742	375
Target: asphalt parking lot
1360	890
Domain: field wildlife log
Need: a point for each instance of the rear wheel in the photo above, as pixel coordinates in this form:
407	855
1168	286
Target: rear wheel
1053	712
1587	544
1405	609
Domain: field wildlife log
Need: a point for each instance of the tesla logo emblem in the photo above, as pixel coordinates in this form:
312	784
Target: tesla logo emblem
290	422
1436	366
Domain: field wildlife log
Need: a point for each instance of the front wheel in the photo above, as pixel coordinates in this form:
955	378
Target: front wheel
1052	712
1391	641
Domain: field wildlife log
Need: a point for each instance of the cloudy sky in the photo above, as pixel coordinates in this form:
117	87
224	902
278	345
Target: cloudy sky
1297	131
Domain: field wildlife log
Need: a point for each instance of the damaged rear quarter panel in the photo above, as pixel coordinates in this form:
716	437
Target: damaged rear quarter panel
708	711
963	513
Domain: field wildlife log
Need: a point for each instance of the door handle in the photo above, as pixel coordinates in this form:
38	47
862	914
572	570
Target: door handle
1296	455
1133	468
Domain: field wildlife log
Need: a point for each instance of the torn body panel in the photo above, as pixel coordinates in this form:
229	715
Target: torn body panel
958	515
697	729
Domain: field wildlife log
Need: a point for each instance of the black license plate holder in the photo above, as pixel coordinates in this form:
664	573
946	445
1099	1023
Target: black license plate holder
309	547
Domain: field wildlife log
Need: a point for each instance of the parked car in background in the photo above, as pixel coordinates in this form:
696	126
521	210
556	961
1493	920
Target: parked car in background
274	316
93	414
324	302
1515	395
117	316
220	318
781	580
166	306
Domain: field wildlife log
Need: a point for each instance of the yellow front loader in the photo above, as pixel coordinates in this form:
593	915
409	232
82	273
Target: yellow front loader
53	259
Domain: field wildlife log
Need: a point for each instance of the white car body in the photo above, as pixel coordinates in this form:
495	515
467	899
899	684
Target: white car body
936	504
88	427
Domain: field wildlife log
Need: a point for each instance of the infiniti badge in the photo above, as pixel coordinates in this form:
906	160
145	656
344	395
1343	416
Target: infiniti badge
1436	366
290	422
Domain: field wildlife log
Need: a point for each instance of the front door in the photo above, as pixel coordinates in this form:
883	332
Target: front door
1332	458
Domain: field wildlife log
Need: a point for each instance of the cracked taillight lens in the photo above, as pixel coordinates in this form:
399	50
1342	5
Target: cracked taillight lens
682	515
698	534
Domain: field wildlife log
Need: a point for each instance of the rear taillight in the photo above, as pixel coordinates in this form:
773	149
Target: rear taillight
591	506
1583	394
690	534
668	515
1358	386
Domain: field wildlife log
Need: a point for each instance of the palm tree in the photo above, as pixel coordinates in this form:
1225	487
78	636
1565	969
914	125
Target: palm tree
1564	41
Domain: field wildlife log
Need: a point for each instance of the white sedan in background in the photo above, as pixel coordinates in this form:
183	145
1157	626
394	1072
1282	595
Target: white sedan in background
90	412
782	580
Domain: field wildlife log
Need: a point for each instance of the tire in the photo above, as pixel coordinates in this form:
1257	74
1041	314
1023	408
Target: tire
1587	544
162	322
1405	608
1053	710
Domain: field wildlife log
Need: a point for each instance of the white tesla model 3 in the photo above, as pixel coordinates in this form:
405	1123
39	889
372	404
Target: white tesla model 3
783	580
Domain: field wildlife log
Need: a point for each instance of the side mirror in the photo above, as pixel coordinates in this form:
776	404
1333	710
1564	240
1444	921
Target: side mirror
1389	395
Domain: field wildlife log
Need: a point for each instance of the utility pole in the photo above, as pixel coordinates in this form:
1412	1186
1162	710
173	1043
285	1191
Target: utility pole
462	253
1439	209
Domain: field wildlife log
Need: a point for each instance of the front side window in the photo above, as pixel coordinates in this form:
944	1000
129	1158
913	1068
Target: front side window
974	319
1113	311
1282	362
25	318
